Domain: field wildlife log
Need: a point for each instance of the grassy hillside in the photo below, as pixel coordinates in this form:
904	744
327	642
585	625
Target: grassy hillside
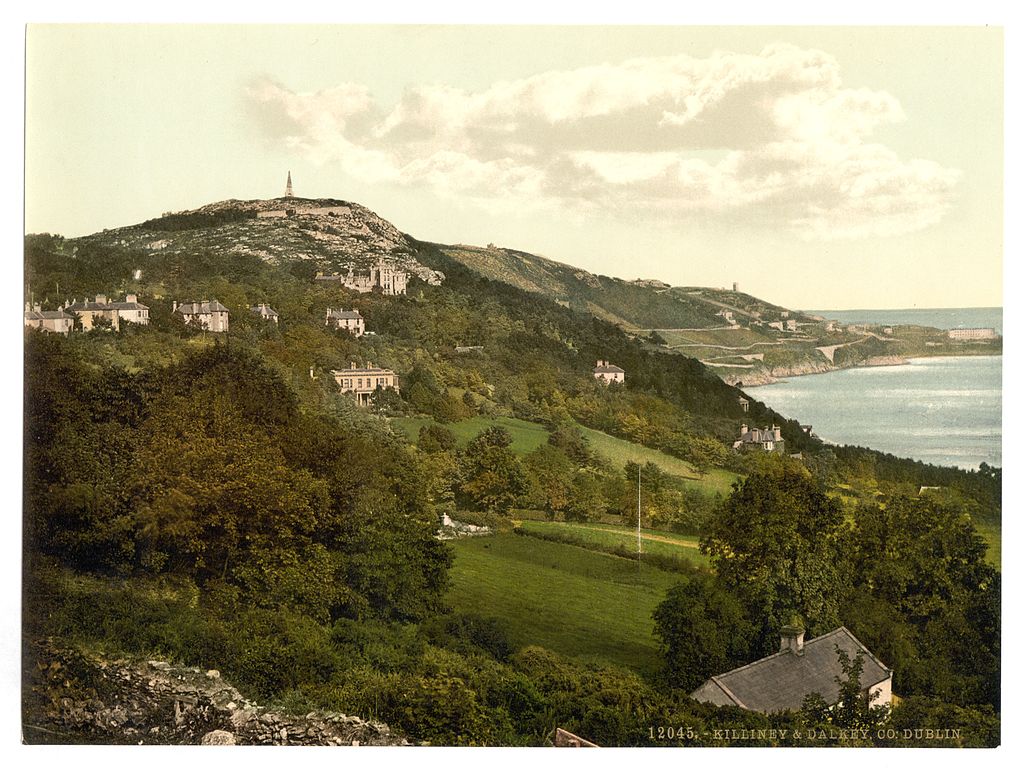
619	451
526	436
586	605
600	536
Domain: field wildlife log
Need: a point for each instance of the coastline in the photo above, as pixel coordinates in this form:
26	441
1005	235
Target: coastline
772	375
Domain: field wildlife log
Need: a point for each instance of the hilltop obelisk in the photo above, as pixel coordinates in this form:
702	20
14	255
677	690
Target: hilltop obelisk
287	189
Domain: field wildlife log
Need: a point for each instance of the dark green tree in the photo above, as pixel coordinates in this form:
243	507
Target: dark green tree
775	546
492	474
703	630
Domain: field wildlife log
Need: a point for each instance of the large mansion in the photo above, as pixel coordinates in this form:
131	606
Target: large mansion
387	278
363	382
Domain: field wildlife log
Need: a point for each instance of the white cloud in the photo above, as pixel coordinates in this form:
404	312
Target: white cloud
772	138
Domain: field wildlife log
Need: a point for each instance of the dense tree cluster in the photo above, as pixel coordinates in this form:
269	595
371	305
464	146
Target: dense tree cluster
208	469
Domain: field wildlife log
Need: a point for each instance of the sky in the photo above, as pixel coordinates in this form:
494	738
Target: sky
817	167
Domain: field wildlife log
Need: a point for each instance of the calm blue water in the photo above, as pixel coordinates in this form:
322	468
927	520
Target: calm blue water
966	317
942	410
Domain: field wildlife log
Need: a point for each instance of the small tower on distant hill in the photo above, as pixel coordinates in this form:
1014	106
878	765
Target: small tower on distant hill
287	189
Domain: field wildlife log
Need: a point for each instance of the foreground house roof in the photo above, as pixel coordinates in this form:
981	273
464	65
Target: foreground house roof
781	681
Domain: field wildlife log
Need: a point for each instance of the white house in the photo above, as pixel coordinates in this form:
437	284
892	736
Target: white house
265	312
607	373
211	315
346	319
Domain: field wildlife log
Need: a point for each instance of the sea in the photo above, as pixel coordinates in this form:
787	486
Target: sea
941	410
963	317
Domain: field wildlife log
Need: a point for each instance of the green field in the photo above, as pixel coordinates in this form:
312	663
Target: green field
526	436
992	534
585	605
664	543
619	451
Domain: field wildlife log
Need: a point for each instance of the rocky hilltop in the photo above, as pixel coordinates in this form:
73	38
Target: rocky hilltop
333	235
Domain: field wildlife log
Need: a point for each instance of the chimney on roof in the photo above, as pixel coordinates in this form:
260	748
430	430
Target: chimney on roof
131	298
743	429
174	308
792	639
353	366
777	433
101	299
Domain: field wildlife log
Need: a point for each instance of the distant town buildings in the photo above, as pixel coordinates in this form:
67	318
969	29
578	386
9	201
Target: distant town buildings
390	280
112	312
346	319
728	316
209	315
51	321
363	382
780	682
768	440
265	312
607	373
970	334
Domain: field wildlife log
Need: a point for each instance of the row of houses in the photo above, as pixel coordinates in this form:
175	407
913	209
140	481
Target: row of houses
101	312
213	317
91	314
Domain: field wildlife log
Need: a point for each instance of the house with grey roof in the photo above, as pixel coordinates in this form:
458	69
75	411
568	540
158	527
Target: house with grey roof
606	373
780	682
51	321
114	312
210	315
346	319
265	312
769	440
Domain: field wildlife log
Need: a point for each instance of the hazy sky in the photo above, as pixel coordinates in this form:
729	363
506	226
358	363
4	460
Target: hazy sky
836	167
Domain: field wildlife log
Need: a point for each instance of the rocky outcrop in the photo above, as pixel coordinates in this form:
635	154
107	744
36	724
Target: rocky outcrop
75	698
455	529
769	375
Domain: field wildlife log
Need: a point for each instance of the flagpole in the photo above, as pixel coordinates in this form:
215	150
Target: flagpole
639	513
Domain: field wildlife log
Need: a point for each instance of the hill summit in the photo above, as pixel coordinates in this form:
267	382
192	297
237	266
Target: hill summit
331	234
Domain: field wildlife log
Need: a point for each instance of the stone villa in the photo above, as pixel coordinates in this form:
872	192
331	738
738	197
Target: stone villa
760	439
780	682
51	321
265	312
607	373
390	280
363	382
114	312
346	319
211	315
